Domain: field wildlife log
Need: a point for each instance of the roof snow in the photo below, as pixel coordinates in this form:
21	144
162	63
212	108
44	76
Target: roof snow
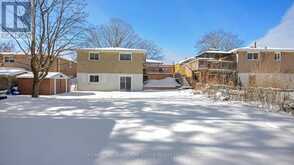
113	49
50	75
11	71
154	61
186	60
264	49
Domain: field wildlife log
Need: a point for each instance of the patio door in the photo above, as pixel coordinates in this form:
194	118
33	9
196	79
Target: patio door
125	83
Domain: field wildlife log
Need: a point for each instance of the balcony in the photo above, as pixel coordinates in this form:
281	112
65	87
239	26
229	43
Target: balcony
215	65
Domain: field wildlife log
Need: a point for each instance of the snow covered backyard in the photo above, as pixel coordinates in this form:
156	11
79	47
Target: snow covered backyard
117	128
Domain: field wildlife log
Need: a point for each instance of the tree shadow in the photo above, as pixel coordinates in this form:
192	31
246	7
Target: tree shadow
52	141
172	131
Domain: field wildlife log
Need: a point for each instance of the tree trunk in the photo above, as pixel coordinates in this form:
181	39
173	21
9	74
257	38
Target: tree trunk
36	85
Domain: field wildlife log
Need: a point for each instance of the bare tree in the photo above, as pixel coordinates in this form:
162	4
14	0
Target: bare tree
117	33
55	28
7	46
218	40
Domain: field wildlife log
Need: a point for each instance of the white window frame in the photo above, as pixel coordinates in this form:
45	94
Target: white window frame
89	75
126	75
280	57
252	58
130	53
89	56
4	61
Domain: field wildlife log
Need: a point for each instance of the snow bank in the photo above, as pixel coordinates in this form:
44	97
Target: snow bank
164	83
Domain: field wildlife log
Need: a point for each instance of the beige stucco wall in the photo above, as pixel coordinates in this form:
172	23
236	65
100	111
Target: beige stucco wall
109	63
266	63
268	80
108	82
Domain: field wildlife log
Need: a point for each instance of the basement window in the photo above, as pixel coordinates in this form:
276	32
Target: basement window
94	78
252	56
277	57
9	60
94	56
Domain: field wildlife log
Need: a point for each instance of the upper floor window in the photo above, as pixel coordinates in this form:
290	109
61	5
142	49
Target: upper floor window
9	59
277	57
94	56
252	56
125	57
94	78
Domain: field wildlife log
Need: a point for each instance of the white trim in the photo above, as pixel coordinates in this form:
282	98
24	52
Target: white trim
258	54
94	75
65	85
125	53
280	55
10	56
95	53
54	80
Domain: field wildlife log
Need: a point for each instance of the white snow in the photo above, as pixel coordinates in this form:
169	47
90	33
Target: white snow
11	71
57	75
267	49
146	128
154	61
113	49
186	60
168	82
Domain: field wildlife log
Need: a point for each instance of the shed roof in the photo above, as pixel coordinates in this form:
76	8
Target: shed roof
50	75
11	71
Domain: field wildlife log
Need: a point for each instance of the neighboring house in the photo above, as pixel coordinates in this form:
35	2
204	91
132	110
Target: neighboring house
184	67
215	67
20	60
157	70
248	67
109	69
265	67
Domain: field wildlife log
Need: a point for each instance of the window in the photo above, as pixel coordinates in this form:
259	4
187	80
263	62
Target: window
252	56
9	59
277	57
94	56
125	57
94	78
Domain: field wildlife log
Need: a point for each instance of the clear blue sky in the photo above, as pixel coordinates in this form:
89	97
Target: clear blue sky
176	25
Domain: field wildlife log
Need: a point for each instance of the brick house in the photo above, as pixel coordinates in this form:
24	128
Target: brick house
265	67
19	60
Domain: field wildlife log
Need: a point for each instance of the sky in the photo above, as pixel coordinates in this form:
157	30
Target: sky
176	25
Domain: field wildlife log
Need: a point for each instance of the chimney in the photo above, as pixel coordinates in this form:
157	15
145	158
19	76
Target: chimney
255	45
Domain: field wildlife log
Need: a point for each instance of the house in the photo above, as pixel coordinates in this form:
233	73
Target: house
20	60
53	83
265	67
214	67
184	68
157	70
109	69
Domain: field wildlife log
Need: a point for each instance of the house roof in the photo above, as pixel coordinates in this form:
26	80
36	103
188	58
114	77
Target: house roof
50	75
154	61
11	71
186	60
111	49
22	53
264	49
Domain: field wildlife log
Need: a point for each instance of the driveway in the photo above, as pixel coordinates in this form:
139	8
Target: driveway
171	127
